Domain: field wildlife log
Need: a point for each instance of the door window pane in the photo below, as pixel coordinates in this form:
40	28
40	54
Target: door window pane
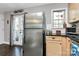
17	30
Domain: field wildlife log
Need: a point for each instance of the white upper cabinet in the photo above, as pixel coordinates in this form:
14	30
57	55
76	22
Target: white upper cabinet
73	12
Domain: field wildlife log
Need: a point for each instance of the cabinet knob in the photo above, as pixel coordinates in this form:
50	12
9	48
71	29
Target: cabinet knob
68	40
60	43
53	37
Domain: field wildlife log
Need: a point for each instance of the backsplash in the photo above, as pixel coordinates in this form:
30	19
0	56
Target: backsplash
63	31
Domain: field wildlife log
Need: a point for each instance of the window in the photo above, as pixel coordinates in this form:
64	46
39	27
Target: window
58	17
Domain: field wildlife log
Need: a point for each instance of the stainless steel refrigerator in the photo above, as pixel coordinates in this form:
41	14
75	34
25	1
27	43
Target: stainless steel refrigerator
34	34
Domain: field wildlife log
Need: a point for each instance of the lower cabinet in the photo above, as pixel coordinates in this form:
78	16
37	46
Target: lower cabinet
57	46
68	46
54	48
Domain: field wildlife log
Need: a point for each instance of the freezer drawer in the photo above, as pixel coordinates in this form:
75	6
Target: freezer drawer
33	42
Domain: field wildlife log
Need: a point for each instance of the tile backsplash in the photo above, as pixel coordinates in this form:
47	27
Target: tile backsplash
63	31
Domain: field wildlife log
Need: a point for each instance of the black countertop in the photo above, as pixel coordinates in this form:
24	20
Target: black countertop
72	36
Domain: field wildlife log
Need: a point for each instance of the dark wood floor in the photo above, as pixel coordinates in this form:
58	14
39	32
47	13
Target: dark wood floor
6	50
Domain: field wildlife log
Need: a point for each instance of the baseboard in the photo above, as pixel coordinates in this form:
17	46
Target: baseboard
6	43
1	43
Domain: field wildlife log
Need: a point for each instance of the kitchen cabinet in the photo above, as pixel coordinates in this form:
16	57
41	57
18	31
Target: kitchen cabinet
57	46
54	48
73	12
64	45
68	46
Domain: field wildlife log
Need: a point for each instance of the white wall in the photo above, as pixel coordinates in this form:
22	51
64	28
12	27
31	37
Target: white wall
45	8
1	28
7	28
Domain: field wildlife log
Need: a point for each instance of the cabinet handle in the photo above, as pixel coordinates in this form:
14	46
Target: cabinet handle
60	43
53	38
68	40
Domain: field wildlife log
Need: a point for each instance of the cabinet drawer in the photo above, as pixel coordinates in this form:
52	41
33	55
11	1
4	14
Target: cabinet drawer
53	38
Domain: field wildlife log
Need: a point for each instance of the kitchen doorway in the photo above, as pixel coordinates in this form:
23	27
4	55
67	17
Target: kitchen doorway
17	30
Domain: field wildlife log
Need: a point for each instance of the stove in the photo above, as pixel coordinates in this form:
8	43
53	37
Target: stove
74	49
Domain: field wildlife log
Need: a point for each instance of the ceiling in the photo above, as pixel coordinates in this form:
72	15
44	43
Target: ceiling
5	7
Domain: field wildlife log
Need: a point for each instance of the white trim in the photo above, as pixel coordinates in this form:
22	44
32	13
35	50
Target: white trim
5	42
1	42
